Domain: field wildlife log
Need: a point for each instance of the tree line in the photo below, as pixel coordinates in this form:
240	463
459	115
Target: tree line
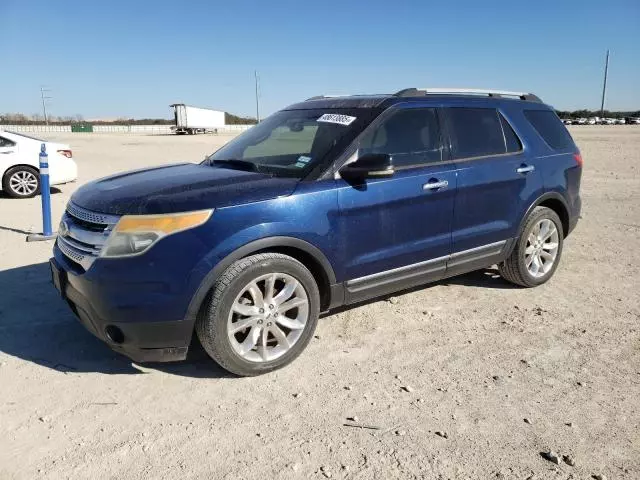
38	119
596	113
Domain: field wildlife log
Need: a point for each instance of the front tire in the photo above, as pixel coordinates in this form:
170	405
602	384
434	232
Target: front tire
535	257
21	182
261	314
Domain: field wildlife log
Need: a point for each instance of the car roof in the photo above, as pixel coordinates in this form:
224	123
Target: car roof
409	95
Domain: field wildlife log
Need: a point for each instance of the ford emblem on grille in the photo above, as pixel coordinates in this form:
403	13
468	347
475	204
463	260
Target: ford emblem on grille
63	229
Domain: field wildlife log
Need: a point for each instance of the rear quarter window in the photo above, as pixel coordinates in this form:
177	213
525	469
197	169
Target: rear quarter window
510	138
550	128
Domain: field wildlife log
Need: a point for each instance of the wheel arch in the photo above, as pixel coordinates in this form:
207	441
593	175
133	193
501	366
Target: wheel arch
555	202
25	165
306	253
4	172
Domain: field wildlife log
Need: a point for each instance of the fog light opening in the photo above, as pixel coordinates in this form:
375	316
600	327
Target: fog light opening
114	334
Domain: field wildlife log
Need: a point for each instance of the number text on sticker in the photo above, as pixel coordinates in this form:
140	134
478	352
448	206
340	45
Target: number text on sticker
335	118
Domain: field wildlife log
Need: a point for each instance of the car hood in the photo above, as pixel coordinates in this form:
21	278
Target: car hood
179	188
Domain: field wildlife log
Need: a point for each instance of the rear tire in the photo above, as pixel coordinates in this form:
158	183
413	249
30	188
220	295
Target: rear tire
535	257
21	182
260	293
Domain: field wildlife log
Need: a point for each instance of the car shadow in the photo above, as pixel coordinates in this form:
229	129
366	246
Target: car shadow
37	325
15	230
53	190
483	278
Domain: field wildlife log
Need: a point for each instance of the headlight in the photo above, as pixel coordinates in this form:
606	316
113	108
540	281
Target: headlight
135	234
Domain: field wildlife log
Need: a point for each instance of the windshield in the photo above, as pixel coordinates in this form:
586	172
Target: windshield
25	136
291	143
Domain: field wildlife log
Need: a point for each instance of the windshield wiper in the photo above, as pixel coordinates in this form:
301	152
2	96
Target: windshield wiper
237	164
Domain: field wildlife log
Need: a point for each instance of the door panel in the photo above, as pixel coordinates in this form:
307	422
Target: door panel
8	155
392	223
491	197
496	181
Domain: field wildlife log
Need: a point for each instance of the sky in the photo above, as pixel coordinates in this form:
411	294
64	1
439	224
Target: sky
109	59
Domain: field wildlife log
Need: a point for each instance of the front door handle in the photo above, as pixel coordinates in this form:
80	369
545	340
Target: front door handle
525	169
6	152
435	185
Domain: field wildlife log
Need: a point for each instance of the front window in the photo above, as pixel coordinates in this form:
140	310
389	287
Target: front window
291	143
410	136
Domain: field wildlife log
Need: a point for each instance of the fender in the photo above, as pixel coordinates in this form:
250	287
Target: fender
537	202
246	250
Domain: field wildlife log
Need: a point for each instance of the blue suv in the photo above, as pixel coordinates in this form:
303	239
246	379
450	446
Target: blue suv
328	202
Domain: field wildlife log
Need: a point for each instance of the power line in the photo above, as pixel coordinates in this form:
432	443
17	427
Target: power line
44	103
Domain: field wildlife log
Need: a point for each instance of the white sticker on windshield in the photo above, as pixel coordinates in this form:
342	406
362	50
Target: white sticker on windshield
335	118
304	159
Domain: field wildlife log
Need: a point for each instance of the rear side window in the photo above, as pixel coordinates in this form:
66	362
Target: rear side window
477	132
550	128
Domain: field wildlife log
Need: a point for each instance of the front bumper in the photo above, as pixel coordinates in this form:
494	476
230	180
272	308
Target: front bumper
142	341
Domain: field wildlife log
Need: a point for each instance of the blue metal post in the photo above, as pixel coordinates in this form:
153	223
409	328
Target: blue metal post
45	191
45	195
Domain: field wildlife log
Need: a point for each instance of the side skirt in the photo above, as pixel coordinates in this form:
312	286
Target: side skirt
382	283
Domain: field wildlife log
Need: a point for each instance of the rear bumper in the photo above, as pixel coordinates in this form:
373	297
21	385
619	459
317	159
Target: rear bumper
65	171
573	219
142	341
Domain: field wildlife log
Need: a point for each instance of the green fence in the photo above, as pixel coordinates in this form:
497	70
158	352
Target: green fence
82	128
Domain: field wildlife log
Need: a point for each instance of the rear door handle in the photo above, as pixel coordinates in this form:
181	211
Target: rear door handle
525	169
435	185
6	152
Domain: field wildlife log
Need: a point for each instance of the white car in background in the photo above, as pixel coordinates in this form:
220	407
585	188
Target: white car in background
19	164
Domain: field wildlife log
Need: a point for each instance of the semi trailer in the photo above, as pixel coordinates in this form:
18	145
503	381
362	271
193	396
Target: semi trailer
193	120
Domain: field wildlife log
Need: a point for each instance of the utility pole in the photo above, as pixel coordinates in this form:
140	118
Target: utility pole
44	103
604	87
255	72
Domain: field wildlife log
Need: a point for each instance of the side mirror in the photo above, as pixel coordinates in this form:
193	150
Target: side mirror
371	165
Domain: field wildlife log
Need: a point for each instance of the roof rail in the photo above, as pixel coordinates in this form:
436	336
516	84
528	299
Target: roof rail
419	92
318	97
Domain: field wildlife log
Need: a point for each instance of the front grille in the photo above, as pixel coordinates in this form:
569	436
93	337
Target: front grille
70	252
89	216
83	233
94	227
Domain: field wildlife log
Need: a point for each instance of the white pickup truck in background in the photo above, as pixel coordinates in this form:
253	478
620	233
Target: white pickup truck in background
193	120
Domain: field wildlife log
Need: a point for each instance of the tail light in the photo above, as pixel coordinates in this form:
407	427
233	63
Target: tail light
66	153
578	157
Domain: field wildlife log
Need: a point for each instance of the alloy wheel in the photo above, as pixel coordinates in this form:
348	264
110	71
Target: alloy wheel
23	183
268	317
542	248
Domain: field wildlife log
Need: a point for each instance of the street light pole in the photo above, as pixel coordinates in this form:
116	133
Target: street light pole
604	87
44	103
255	72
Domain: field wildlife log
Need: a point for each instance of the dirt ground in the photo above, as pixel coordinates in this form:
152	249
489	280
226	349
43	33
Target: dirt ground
447	373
